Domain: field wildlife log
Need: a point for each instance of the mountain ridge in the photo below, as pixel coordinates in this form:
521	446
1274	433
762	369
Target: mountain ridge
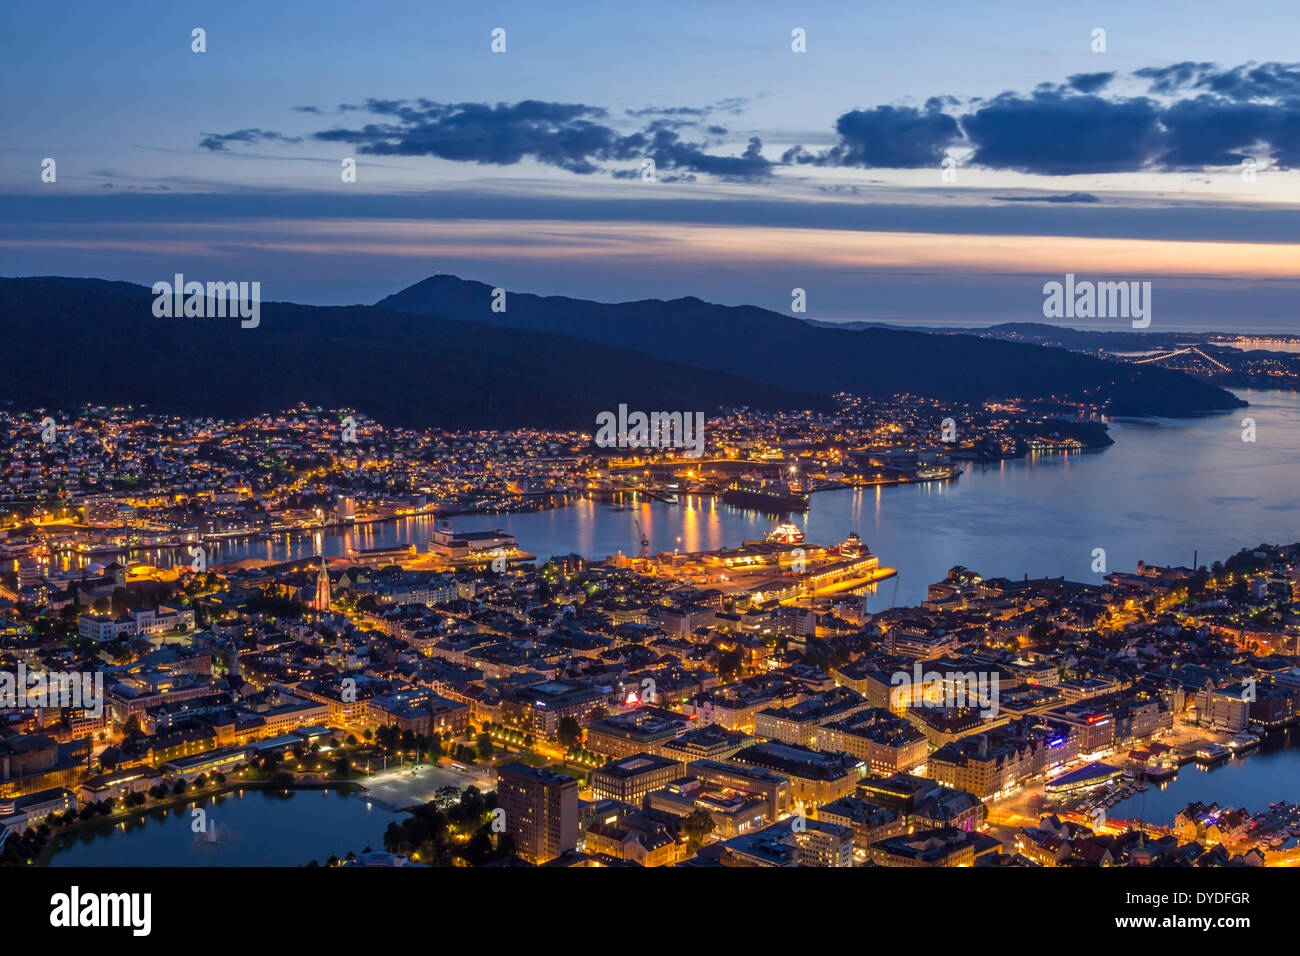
791	353
61	351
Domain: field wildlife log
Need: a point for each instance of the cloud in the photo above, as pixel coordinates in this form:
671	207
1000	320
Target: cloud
1089	82
217	141
1060	135
567	135
576	137
734	105
886	137
1249	81
1193	116
1065	197
1211	131
1189	116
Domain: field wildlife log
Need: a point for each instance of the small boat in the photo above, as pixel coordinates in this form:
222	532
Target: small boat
787	533
1162	771
1211	753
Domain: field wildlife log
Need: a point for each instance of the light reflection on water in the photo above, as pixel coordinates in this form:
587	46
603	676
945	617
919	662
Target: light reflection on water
1165	489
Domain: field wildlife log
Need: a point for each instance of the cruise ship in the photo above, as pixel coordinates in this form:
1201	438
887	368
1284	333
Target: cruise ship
773	496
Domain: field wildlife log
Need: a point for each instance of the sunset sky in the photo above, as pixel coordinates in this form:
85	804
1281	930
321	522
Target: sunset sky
823	170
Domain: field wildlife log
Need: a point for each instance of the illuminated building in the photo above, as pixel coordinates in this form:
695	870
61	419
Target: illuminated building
322	600
541	811
814	777
944	847
630	778
644	730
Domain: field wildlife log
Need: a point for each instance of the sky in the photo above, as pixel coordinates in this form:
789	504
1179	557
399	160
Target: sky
930	164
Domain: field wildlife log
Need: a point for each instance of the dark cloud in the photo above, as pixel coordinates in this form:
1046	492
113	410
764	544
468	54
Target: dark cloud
1063	129
1089	82
901	137
669	111
1211	131
1060	135
1193	116
733	105
217	141
567	135
1062	197
1250	81
668	150
572	136
76	215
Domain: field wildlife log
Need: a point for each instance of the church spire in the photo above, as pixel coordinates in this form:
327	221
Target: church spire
322	602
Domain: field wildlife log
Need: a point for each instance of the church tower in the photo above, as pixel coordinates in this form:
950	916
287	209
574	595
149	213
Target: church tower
322	602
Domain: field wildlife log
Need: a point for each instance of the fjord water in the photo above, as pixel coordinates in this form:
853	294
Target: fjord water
1166	488
1250	782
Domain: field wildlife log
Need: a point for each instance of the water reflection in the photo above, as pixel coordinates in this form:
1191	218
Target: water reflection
1167	488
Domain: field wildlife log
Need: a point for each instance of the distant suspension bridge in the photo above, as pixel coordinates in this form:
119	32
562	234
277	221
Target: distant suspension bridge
1158	358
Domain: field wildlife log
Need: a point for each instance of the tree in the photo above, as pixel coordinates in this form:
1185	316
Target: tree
729	663
569	732
696	825
484	744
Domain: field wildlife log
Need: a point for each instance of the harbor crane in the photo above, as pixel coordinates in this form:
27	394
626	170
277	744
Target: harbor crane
645	542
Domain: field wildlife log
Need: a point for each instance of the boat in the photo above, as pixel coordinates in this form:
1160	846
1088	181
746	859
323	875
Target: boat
785	534
1161	771
1210	753
773	496
102	549
1242	742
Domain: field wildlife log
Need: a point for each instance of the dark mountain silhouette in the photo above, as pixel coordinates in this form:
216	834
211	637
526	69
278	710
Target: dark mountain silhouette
791	353
70	341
